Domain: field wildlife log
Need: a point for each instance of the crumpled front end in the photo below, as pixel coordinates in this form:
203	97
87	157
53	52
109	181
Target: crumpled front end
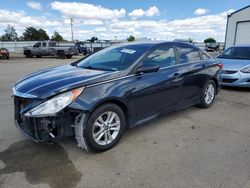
43	129
68	122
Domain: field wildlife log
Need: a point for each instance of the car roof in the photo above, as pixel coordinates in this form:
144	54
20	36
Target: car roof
244	46
151	44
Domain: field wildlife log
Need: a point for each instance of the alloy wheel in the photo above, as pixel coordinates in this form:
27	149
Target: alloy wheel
209	93
106	128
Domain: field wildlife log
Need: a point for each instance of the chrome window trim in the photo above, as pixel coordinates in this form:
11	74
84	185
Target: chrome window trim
128	76
179	64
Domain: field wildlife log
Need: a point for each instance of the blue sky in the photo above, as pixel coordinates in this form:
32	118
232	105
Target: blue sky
109	19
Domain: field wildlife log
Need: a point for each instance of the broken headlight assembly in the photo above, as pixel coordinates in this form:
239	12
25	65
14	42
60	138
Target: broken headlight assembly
55	104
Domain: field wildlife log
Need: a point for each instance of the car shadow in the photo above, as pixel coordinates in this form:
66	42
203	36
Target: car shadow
240	89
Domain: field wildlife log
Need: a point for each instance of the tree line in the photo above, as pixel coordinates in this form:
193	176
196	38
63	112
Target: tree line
29	34
33	34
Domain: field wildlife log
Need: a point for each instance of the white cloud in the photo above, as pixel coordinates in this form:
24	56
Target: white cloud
93	22
197	28
87	11
10	17
152	11
34	5
201	11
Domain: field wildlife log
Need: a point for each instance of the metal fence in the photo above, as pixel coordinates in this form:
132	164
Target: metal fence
17	47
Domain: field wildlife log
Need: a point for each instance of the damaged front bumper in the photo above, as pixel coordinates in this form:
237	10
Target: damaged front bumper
69	122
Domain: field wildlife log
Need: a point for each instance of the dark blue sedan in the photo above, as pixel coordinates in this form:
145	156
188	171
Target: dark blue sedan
96	98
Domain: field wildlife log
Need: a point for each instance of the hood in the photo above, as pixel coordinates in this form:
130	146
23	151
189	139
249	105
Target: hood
46	83
234	64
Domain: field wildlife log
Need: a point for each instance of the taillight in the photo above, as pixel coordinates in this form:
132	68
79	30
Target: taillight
220	65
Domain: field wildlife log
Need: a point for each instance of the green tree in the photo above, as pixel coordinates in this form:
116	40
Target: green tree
190	40
209	40
131	38
10	34
31	34
93	39
57	37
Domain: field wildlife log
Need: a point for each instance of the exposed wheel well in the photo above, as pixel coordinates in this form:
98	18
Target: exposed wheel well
26	51
58	51
121	105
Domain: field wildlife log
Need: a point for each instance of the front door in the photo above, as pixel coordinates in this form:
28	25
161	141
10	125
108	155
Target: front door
157	92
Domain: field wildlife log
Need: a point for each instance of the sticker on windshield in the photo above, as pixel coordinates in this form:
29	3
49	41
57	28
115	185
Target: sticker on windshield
128	51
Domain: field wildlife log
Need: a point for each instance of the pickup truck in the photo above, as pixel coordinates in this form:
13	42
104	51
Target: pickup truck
50	48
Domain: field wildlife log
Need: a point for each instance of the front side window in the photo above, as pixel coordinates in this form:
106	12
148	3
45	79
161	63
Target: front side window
113	58
188	54
37	45
164	57
236	53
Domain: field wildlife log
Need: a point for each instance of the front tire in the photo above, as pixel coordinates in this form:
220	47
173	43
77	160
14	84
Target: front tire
208	94
28	54
105	127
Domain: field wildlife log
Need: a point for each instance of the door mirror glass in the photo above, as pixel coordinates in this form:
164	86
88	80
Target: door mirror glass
147	68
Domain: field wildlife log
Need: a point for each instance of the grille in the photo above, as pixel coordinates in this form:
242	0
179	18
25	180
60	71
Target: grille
228	72
225	80
20	104
29	126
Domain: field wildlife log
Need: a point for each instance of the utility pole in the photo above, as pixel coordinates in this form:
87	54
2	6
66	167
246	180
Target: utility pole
71	24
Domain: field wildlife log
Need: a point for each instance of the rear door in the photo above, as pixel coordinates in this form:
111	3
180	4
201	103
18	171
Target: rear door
157	92
190	66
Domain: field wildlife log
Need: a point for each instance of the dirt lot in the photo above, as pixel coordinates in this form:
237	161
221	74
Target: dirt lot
191	148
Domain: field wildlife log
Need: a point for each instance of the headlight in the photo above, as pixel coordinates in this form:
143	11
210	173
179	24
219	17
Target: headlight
246	70
55	104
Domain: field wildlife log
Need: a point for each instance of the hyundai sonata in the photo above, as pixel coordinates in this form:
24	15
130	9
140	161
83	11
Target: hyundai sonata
96	98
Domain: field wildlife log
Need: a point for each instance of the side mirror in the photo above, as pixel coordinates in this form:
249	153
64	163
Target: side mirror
147	68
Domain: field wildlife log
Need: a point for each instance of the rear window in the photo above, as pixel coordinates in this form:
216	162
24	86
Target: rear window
236	53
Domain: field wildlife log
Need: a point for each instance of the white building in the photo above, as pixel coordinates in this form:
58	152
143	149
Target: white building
238	27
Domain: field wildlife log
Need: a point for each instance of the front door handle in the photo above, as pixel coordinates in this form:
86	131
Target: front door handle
175	76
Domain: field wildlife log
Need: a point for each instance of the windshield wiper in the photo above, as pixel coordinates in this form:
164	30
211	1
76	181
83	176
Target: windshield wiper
98	68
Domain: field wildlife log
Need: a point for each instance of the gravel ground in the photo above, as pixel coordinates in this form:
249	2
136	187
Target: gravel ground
191	148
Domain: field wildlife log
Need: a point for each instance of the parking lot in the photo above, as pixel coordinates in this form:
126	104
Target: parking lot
191	148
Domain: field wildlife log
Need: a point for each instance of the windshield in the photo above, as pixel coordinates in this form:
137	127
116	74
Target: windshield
236	53
113	58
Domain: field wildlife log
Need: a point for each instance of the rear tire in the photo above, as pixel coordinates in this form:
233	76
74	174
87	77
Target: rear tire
208	94
38	56
104	127
61	54
68	56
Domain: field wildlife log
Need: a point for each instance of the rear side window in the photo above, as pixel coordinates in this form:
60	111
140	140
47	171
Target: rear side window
188	54
52	44
44	44
164	57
